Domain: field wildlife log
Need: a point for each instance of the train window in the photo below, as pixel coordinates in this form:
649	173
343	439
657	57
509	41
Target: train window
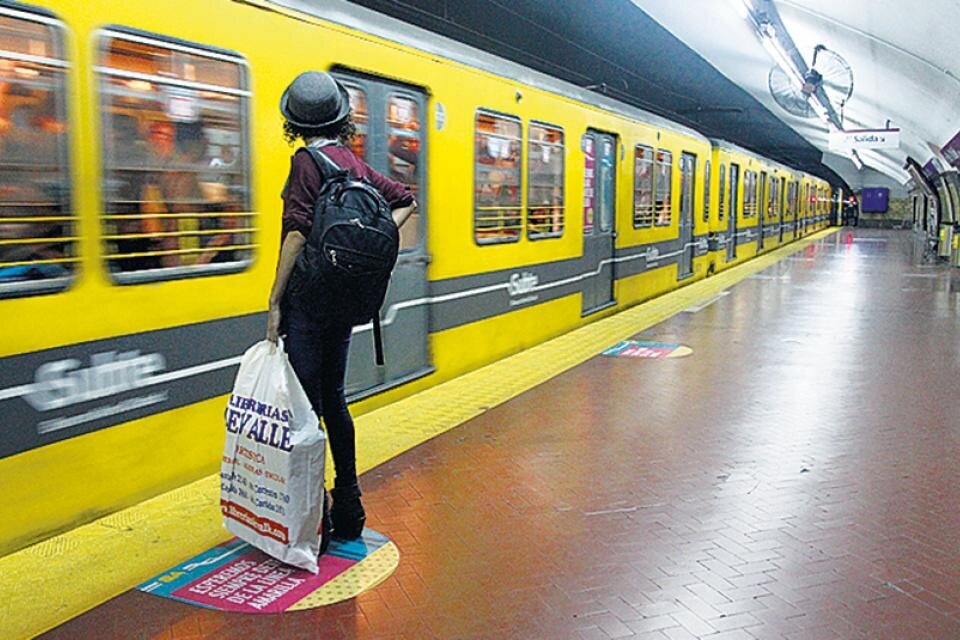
706	191
497	193
642	187
176	165
783	204
37	233
545	152
773	198
749	193
722	195
403	156
664	187
361	117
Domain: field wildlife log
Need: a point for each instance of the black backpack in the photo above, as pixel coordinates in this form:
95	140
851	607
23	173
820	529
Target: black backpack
344	267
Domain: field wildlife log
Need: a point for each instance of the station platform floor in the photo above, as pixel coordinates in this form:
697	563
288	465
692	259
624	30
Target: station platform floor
796	476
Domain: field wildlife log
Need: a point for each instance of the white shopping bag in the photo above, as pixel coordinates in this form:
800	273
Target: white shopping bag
271	474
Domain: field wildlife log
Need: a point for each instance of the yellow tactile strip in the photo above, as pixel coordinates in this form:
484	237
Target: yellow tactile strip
361	577
46	584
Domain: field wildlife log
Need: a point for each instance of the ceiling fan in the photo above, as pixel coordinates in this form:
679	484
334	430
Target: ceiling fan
829	72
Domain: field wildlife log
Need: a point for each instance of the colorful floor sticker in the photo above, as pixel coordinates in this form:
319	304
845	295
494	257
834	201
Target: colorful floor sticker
237	577
642	349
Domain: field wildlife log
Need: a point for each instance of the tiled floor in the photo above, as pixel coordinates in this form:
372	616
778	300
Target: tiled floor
796	477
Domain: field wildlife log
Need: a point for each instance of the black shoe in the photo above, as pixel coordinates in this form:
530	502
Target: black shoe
347	513
327	526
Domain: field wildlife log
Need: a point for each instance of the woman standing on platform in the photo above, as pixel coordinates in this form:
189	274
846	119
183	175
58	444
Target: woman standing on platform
316	109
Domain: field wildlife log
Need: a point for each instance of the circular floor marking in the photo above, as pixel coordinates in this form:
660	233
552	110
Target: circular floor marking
237	577
644	349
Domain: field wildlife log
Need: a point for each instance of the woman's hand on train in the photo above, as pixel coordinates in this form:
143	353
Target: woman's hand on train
273	323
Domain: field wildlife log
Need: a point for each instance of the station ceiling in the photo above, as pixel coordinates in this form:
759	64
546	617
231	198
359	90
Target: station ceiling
904	56
616	48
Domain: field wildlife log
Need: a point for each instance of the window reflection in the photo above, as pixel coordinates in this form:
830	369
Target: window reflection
664	187
545	151
497	194
643	207
361	117
176	174
403	156
37	247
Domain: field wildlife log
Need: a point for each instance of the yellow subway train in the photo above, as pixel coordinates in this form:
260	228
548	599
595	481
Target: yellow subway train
141	161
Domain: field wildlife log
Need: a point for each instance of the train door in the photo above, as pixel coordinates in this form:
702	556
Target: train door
688	171
783	204
599	206
734	212
391	137
802	209
761	209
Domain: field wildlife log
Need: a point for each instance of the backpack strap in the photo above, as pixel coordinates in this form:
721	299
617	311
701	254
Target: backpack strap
377	340
327	167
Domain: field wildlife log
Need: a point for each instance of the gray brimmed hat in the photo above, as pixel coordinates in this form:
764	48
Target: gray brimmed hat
315	100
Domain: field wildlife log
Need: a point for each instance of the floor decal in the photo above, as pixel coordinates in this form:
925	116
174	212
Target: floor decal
237	577
642	349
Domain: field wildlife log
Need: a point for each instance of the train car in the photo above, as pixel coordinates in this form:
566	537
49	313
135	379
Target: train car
739	212
141	161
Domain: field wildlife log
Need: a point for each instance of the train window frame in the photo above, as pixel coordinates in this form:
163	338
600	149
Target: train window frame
644	219
750	193
63	200
657	162
247	217
773	198
722	193
531	235
510	239
707	170
362	127
379	89
414	225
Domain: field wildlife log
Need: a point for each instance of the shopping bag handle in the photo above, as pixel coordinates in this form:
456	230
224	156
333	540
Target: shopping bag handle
275	345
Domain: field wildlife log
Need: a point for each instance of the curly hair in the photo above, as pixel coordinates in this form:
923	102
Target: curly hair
344	131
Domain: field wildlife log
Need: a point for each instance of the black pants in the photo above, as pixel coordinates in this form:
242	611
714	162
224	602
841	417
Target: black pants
318	352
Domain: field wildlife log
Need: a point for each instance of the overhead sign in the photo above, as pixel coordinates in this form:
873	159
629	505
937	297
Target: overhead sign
951	151
853	139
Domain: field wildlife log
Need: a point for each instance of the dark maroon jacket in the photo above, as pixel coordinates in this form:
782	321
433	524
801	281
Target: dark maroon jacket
304	183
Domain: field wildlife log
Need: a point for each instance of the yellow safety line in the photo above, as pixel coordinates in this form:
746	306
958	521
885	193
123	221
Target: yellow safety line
53	581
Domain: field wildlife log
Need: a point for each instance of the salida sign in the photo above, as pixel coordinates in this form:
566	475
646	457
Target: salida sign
864	139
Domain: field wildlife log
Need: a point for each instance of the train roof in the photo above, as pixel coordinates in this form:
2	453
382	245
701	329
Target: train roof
355	17
729	146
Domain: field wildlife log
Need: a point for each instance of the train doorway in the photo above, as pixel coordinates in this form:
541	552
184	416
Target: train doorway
734	212
599	206
391	137
688	172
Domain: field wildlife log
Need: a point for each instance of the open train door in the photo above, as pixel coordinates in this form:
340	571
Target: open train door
391	137
599	205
